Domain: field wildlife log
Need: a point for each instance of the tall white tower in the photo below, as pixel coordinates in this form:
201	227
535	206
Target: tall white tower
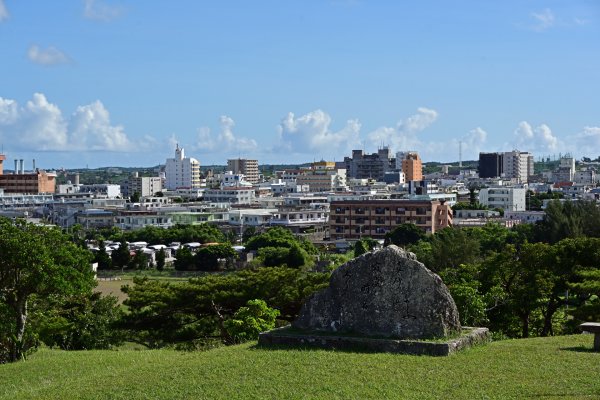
182	172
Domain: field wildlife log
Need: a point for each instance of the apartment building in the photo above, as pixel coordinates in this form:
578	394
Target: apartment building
412	167
354	219
145	186
509	199
31	183
249	168
491	165
517	165
232	195
182	172
364	166
323	180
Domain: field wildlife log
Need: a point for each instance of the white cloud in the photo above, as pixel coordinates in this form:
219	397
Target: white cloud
100	11
205	141
225	141
90	128
404	136
472	143
40	126
3	11
543	20
539	139
48	56
587	142
312	132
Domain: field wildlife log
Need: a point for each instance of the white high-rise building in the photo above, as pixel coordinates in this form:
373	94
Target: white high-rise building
182	172
517	165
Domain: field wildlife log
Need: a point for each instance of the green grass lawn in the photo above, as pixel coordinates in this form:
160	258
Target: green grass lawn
558	367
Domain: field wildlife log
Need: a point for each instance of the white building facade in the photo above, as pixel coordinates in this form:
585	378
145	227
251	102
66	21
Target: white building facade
509	199
182	172
518	165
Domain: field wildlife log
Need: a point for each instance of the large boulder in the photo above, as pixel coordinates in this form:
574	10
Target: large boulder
386	293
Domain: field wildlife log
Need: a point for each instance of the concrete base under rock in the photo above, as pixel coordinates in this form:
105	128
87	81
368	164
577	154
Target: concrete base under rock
287	336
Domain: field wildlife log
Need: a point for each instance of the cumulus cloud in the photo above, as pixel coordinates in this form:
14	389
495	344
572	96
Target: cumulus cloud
48	56
100	11
473	142
404	136
225	140
3	11
40	126
586	142
312	132
90	128
539	139
543	20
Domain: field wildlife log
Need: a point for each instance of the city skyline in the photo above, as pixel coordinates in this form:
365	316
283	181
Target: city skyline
97	83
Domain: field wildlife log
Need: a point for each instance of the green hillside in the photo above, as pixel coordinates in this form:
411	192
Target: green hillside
557	367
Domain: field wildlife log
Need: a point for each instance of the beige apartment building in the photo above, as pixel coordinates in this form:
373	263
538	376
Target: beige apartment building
249	168
374	218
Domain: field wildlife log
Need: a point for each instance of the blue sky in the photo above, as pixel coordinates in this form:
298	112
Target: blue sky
110	82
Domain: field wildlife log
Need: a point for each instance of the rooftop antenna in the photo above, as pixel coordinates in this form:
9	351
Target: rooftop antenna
460	153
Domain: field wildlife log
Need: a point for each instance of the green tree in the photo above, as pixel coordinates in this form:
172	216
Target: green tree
80	322
161	313
360	248
278	237
451	247
470	304
121	256
249	321
160	259
207	258
36	261
249	232
102	258
292	257
184	259
587	289
469	206
135	197
404	235
139	261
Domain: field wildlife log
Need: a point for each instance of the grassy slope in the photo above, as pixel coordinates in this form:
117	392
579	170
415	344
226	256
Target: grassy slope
559	367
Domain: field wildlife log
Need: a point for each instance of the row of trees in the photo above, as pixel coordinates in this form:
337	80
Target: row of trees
46	292
539	279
